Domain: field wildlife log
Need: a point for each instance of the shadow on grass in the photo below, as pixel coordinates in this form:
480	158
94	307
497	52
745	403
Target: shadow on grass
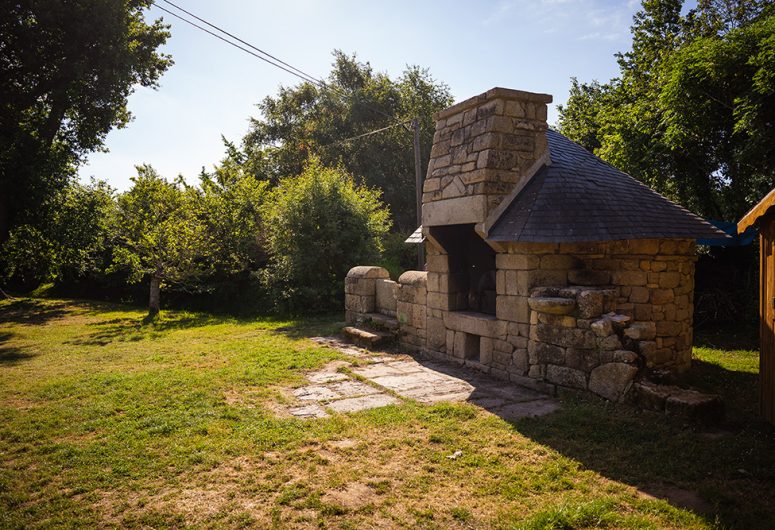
711	471
31	312
133	328
10	355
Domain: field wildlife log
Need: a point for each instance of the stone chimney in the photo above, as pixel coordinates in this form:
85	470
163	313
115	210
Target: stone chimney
484	147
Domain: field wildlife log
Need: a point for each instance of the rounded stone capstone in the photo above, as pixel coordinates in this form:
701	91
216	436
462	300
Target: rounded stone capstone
552	305
414	278
368	271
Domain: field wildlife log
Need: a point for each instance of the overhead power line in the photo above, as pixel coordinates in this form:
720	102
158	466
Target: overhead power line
260	54
298	73
369	133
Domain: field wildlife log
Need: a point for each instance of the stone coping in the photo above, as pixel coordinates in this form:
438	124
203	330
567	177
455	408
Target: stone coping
497	92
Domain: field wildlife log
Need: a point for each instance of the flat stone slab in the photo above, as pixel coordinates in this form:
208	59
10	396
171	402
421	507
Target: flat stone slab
309	411
362	403
424	381
350	388
315	393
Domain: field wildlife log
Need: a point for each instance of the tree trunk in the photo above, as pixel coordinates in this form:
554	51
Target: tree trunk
153	299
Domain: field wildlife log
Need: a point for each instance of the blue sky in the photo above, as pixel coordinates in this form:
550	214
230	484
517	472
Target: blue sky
212	89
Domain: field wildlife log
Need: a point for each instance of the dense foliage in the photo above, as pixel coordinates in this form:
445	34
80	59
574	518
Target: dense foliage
319	225
307	120
692	111
69	242
66	71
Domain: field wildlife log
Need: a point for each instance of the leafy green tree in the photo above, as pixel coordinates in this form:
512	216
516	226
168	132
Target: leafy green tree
691	112
71	241
229	206
66	71
307	120
318	225
160	237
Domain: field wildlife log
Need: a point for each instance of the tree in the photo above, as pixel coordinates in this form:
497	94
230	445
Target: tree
159	235
71	241
309	120
691	112
319	225
229	206
66	71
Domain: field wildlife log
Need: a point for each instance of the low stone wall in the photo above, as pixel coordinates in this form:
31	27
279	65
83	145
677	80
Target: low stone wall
592	317
369	292
652	282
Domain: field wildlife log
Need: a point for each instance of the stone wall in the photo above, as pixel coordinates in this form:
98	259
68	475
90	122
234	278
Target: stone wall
590	317
483	147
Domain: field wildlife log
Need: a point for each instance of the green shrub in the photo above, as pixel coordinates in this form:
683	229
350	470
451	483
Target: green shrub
317	226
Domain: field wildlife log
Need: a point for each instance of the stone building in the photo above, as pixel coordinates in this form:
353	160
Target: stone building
545	265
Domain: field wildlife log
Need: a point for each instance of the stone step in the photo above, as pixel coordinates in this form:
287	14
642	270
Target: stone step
368	337
381	322
681	402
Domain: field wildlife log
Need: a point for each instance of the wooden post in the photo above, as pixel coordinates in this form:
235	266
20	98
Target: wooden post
418	190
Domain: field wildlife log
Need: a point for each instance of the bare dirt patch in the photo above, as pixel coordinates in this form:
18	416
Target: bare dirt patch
354	496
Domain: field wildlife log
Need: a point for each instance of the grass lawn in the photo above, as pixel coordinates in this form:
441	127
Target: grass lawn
105	421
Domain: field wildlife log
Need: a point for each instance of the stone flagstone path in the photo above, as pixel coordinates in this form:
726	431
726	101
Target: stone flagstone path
390	378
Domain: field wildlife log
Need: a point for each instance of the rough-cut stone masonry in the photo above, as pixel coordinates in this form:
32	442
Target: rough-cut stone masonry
482	148
595	317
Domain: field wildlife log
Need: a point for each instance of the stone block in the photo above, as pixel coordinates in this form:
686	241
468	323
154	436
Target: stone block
625	356
562	321
475	324
644	246
662	296
590	304
639	295
543	353
552	305
519	360
562	375
368	271
667	328
485	350
437	334
386	291
359	304
641	331
609	343
603	327
631	278
669	280
360	286
439	263
582	359
512	308
451	343
612	380
565	337
559	262
517	261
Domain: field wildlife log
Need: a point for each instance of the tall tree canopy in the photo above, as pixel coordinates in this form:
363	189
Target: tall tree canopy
67	68
692	113
307	120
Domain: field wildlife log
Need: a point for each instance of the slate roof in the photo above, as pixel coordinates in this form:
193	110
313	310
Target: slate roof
578	197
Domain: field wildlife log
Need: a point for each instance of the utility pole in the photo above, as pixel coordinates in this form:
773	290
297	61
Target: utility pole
418	190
